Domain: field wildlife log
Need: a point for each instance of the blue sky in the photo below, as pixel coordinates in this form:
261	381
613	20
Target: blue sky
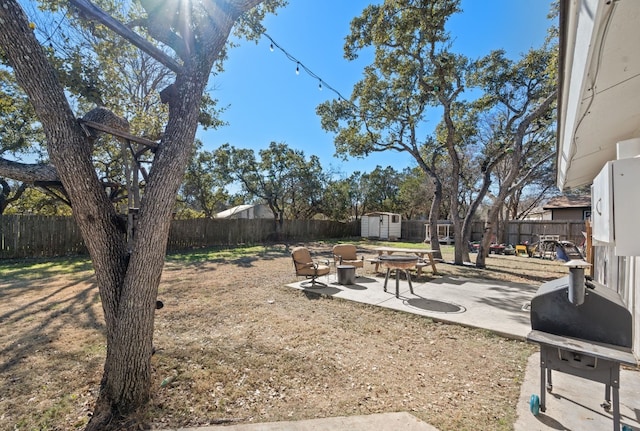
269	102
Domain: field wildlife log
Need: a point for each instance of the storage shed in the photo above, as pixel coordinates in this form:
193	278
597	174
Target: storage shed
382	225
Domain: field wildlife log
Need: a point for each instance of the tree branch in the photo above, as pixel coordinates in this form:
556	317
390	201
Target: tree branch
530	172
92	12
28	173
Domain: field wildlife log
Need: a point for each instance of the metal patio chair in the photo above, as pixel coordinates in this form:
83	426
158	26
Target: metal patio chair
305	266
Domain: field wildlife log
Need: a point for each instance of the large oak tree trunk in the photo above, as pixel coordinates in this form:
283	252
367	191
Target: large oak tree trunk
454	184
434	216
126	383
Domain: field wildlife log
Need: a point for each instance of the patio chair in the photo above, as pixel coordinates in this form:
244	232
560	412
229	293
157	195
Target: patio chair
305	266
346	254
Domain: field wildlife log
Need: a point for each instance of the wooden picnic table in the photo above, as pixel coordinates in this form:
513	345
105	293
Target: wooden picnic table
420	252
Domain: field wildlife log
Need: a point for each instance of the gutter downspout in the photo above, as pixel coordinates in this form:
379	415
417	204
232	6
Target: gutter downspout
562	53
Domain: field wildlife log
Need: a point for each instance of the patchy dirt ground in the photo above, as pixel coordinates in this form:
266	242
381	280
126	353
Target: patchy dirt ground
235	345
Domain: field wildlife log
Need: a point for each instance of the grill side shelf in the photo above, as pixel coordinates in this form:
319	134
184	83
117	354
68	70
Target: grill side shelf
599	350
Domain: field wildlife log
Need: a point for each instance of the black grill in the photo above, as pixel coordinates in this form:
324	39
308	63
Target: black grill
602	317
584	329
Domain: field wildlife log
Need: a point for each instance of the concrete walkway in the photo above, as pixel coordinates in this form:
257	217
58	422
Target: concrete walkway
378	422
496	306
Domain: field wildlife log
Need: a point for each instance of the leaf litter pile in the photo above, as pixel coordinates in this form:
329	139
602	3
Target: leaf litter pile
235	345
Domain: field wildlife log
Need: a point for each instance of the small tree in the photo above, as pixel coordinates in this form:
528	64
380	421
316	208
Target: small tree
414	186
281	177
203	189
382	189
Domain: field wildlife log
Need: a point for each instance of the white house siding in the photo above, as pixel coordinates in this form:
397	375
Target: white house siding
622	274
599	106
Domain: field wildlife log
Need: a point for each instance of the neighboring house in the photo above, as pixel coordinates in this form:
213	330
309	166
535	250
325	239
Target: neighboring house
246	212
381	225
538	213
598	131
568	208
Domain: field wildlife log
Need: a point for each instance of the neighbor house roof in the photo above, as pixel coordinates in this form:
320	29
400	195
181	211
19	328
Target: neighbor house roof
537	210
568	202
233	211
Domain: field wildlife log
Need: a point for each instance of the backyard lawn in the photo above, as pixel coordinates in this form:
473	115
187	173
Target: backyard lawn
235	345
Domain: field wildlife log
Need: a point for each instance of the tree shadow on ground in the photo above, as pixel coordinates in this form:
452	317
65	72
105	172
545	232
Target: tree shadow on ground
38	323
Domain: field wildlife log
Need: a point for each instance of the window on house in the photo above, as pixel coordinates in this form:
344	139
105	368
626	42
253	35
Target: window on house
395	218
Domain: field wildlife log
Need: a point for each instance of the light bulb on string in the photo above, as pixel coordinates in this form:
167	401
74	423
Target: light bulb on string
299	65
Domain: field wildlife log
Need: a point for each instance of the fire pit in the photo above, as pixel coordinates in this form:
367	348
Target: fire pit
585	330
398	262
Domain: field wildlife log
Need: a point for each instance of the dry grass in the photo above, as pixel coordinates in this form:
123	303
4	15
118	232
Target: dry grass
235	345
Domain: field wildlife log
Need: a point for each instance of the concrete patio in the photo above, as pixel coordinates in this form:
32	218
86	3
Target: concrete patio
497	306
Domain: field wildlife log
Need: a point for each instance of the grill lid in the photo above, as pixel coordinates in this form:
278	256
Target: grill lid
602	317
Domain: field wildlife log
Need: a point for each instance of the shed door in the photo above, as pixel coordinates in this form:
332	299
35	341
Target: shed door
374	226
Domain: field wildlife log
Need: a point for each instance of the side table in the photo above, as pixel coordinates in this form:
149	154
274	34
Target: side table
346	274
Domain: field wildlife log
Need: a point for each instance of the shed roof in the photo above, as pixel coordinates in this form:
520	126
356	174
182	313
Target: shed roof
378	213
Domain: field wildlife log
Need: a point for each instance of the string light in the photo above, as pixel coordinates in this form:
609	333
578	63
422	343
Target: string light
49	38
300	66
322	84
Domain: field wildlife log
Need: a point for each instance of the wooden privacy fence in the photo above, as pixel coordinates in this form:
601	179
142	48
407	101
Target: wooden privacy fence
42	236
207	232
415	230
39	236
519	231
515	231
